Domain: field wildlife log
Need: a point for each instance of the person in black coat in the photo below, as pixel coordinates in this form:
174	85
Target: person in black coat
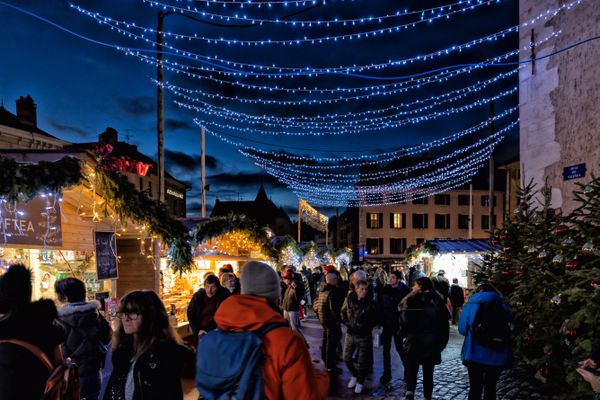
23	376
88	334
390	297
328	308
204	304
457	300
441	284
425	331
148	357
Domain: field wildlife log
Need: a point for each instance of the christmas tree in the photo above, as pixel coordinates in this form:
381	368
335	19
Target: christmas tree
548	268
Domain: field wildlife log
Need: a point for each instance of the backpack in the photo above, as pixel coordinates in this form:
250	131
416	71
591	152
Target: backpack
63	383
228	365
491	327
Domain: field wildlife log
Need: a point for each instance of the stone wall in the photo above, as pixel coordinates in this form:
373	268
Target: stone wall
559	97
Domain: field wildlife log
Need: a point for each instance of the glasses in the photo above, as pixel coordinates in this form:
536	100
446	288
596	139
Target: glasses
127	315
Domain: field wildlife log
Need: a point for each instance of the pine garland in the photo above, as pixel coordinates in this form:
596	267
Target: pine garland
26	181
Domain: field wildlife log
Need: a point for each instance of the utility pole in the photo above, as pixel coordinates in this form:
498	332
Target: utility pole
160	123
202	156
491	170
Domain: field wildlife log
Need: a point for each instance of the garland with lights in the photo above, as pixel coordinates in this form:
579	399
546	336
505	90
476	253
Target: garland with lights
219	226
414	251
288	252
27	181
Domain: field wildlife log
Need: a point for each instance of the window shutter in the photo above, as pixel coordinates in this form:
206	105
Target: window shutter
403	220
380	220
368	220
425	221
392	220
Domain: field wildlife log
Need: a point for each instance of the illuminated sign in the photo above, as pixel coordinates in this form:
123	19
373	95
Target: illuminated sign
175	193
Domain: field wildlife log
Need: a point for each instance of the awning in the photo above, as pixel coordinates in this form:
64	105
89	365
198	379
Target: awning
463	245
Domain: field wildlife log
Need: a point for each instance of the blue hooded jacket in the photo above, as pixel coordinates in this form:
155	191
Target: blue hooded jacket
472	351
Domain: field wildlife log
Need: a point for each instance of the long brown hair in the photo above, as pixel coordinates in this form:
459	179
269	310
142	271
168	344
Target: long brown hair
155	322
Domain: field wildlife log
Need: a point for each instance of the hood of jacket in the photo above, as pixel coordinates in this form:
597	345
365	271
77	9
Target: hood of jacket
79	315
246	313
485	297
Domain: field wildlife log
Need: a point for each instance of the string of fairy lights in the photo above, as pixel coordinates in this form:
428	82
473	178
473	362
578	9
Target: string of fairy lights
241	101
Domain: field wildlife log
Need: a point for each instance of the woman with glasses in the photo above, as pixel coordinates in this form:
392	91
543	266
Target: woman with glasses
148	356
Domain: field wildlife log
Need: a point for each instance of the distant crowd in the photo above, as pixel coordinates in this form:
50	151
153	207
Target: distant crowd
247	337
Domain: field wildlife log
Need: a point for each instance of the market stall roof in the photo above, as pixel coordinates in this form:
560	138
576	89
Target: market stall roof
462	245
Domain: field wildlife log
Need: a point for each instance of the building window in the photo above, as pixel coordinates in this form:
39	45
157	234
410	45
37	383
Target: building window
463	221
463	199
485	201
397	220
442	199
485	221
442	221
420	201
141	184
420	240
150	188
419	221
397	246
374	220
374	246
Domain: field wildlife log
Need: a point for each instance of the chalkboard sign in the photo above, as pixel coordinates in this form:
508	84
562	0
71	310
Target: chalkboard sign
106	255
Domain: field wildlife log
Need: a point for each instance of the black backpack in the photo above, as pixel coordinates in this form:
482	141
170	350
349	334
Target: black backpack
491	326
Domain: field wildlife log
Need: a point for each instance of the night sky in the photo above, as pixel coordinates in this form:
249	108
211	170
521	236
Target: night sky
81	87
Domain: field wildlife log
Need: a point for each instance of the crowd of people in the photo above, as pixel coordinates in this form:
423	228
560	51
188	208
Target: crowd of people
247	335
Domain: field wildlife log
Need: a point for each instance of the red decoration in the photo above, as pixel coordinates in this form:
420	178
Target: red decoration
573	264
505	273
142	168
521	271
595	285
495	242
523	205
544	371
571	333
561	229
504	237
528	339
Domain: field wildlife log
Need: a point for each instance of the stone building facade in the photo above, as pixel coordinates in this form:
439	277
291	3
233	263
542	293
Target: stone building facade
559	97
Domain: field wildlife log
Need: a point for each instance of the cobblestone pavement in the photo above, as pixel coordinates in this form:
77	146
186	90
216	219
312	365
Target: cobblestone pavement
450	377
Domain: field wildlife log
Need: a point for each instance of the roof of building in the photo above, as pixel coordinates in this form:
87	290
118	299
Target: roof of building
462	245
258	209
11	120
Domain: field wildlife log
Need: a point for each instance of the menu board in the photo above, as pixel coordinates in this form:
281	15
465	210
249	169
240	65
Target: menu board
106	255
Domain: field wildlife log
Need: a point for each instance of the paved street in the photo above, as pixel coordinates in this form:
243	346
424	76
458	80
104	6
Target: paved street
451	379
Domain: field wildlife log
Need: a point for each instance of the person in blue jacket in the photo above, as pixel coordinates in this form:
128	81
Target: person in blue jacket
484	364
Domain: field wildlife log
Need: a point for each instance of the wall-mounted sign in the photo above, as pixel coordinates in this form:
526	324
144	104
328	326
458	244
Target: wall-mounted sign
175	193
37	222
106	255
574	172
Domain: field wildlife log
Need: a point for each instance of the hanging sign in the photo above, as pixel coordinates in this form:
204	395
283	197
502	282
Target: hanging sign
311	216
106	255
36	222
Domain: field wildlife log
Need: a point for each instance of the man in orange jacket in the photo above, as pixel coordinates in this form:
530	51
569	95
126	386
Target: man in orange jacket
288	372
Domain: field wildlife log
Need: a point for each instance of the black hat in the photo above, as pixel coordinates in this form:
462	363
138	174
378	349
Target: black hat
15	288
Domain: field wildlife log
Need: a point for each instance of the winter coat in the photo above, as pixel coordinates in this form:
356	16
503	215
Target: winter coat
389	299
424	326
288	372
360	316
194	311
328	306
442	285
413	276
88	335
157	372
457	296
292	297
471	351
22	375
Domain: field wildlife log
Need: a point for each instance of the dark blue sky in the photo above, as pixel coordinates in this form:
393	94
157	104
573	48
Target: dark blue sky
81	88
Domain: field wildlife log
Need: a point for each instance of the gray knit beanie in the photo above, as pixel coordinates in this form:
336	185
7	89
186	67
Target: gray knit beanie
261	280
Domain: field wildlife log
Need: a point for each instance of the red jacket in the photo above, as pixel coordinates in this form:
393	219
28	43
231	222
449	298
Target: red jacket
288	372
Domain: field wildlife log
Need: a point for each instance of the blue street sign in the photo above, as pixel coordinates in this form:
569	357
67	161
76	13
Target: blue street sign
574	172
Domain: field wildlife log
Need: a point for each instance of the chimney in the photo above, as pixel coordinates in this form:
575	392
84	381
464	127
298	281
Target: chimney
110	136
26	111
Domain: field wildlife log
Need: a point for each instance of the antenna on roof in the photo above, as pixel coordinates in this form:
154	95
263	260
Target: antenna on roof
127	136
